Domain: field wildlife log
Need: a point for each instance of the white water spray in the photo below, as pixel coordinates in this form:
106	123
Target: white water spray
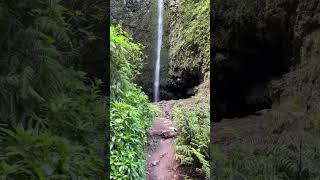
156	84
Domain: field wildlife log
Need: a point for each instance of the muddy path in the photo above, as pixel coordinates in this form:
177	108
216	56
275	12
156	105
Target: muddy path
160	149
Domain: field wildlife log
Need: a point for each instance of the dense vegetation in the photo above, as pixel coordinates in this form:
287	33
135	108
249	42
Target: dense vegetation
192	143
131	113
189	60
52	117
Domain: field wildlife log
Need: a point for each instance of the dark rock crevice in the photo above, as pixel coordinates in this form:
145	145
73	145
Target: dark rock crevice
181	88
243	68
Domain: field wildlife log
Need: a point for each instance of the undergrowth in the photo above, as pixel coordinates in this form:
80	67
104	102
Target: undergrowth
192	142
52	117
189	21
287	151
131	113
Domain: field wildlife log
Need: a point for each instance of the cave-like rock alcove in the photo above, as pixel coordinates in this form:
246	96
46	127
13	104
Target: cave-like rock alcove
181	88
243	71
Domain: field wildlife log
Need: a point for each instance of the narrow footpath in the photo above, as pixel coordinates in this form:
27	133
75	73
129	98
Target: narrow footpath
160	149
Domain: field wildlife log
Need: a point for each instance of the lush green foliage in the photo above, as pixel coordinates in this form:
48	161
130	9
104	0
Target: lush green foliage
131	113
192	142
125	62
52	124
190	54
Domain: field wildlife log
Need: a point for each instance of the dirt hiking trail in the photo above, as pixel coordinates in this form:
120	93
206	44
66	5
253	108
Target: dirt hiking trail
160	149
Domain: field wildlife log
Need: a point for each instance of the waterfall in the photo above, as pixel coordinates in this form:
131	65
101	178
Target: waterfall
156	84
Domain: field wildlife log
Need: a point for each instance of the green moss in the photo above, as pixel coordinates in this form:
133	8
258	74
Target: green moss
190	38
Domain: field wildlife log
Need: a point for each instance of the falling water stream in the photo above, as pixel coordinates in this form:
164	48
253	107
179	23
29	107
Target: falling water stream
156	84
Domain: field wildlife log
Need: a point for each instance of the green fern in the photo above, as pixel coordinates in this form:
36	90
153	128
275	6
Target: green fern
52	124
279	154
193	139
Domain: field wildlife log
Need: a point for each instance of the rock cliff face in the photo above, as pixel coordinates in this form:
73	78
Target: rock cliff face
139	18
184	62
266	55
189	54
135	16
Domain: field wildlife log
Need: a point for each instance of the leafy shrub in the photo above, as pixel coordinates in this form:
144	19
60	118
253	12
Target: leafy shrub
131	112
126	57
127	141
129	121
192	142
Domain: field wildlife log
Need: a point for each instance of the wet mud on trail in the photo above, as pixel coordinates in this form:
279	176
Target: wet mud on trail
160	149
